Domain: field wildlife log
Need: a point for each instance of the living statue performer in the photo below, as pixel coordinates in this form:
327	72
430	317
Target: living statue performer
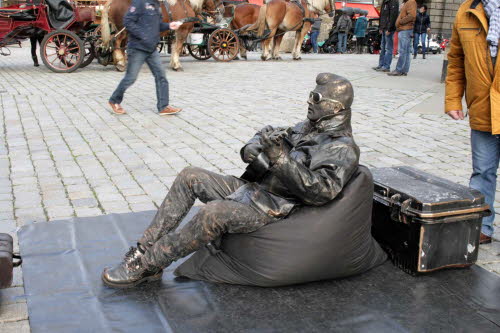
308	164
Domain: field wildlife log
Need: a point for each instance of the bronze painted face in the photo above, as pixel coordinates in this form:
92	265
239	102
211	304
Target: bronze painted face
321	106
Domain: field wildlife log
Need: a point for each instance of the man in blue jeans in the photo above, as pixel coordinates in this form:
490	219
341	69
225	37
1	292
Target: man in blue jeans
315	32
344	25
473	71
405	24
143	22
420	31
388	15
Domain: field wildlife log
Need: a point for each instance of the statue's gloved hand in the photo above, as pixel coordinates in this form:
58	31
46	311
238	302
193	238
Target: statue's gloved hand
251	152
272	145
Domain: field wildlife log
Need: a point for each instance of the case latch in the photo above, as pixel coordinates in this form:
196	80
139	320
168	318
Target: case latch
399	211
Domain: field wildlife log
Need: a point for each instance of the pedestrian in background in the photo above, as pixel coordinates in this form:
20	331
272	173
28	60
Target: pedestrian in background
344	25
471	70
404	25
420	31
315	32
388	15
144	22
360	32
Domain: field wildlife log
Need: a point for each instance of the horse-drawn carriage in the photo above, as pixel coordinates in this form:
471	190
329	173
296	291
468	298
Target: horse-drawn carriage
64	25
212	30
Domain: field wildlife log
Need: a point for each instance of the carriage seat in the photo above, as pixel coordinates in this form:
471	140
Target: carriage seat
61	13
18	14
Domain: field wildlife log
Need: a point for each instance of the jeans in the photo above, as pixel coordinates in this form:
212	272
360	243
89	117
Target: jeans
360	43
342	43
386	48
403	65
136	58
314	40
416	39
485	157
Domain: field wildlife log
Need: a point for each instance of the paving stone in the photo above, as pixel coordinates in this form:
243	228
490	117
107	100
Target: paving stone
59	212
13	312
12	295
6	206
138	199
29	215
15	326
8	226
85	212
139	207
84	203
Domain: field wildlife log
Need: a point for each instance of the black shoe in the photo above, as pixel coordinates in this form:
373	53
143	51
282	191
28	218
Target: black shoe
424	55
376	68
395	73
131	272
415	56
384	70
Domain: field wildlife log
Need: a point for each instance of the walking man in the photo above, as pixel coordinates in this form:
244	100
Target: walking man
388	16
344	25
143	22
360	32
405	24
471	69
420	31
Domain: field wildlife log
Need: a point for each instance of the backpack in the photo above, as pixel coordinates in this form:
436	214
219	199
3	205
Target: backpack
343	24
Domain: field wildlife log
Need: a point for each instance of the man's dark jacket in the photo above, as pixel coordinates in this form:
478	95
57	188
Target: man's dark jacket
144	22
388	15
422	23
322	158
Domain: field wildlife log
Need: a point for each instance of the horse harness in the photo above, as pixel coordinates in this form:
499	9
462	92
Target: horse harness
188	18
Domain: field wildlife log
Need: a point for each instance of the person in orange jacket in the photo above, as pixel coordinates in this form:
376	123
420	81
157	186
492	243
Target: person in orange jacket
472	70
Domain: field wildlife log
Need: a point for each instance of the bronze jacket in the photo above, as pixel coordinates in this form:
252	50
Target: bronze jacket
321	159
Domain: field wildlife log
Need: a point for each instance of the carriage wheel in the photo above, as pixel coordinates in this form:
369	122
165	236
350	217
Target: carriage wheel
63	51
223	45
89	55
199	52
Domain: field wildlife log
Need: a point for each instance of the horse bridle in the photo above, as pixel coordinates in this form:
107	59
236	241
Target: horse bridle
218	10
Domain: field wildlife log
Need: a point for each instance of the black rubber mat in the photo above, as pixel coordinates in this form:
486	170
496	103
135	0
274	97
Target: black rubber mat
63	262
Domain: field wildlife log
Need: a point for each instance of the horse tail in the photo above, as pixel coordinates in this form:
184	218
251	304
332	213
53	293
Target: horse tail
260	25
105	29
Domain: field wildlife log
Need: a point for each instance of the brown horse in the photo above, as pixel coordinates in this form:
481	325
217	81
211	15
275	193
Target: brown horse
280	16
172	10
244	15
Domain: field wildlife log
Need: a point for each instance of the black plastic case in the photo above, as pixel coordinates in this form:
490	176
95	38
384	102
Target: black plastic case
424	222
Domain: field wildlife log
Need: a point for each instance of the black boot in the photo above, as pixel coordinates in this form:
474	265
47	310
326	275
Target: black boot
131	271
35	61
415	56
424	55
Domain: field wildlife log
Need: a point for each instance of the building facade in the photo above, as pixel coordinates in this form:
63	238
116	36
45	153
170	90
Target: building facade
442	14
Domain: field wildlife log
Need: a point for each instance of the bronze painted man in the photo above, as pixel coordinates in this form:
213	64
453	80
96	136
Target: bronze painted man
308	164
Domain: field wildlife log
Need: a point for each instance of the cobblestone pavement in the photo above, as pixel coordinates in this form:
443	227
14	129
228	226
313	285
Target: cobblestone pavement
63	154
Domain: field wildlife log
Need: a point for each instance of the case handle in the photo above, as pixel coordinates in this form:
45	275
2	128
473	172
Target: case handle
19	260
